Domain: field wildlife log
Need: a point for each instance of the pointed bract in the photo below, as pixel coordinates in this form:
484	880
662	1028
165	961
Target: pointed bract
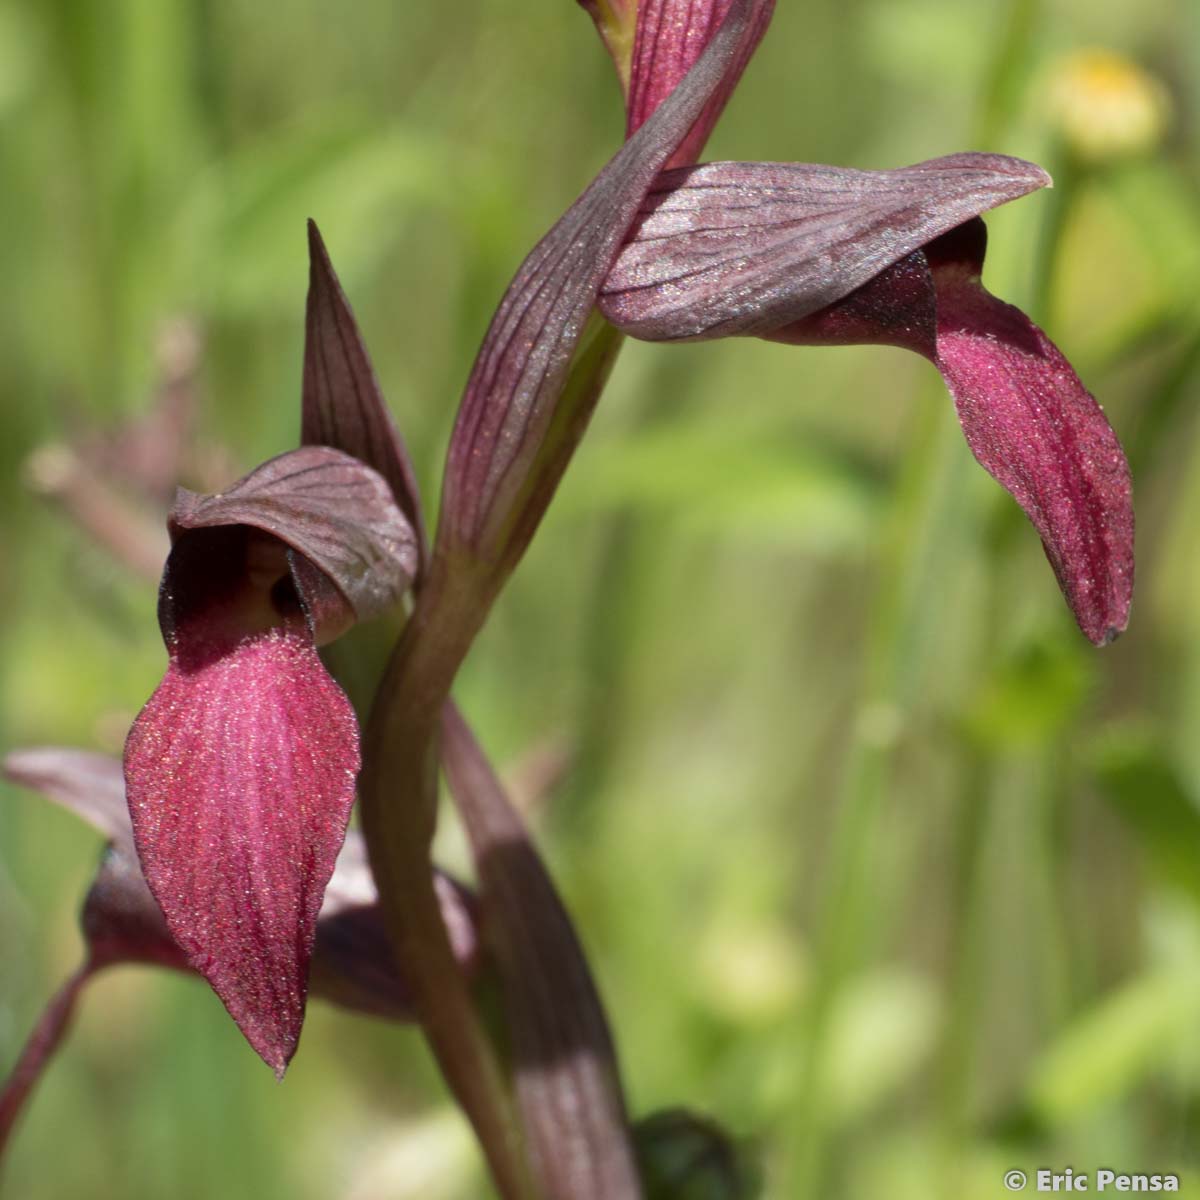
342	404
567	1081
510	398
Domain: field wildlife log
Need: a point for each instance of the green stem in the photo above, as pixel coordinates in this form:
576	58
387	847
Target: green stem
398	788
398	798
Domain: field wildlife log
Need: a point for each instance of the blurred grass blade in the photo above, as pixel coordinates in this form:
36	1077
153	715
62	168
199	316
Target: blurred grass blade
1145	790
1125	1039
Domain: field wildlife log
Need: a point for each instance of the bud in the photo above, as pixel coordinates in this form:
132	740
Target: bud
687	1157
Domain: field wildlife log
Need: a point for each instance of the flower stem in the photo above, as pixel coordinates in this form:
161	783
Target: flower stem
398	795
46	1037
398	787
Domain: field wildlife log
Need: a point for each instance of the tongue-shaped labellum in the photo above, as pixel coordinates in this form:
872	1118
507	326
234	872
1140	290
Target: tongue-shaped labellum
1028	419
240	774
1034	426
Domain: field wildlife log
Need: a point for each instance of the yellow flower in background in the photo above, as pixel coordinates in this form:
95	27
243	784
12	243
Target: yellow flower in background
1105	106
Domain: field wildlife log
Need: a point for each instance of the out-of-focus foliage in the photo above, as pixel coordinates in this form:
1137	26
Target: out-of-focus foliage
879	862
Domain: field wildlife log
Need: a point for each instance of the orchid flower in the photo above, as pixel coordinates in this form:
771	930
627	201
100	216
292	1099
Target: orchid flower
817	255
240	770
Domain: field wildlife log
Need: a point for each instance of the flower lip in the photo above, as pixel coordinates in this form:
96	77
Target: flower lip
1027	418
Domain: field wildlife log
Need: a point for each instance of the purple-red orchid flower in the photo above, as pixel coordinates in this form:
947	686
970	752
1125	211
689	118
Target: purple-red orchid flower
804	254
817	255
240	770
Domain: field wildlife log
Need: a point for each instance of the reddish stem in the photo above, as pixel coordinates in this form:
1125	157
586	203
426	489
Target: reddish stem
46	1037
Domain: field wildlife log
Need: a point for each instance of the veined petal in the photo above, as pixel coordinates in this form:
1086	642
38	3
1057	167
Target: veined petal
671	36
745	248
330	508
240	775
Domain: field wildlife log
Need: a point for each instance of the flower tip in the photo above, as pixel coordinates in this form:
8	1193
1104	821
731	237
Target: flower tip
1102	619
1029	173
1107	632
273	1036
1005	169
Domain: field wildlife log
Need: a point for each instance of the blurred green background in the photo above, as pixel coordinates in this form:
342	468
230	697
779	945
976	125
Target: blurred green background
879	862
